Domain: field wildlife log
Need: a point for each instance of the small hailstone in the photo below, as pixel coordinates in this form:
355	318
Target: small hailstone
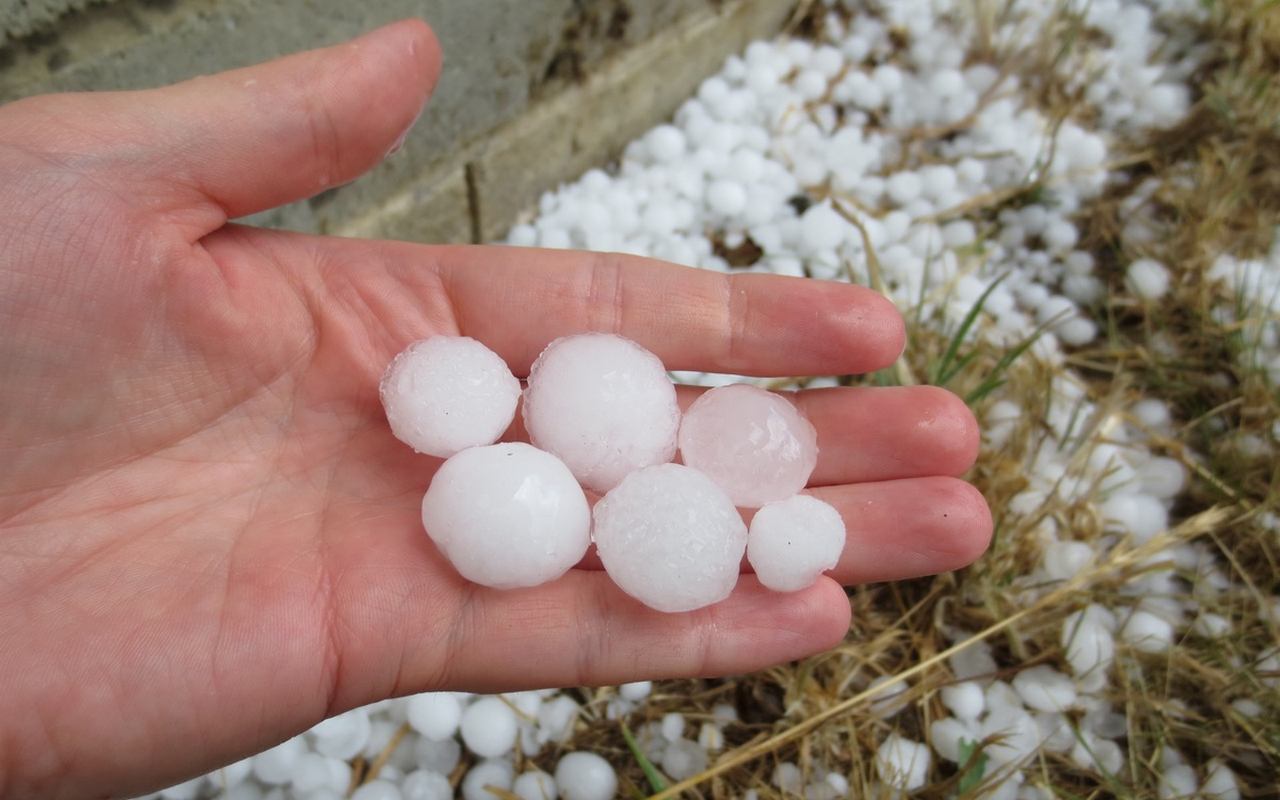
755	444
1017	735
902	763
948	735
442	756
490	772
973	661
635	692
377	790
343	736
1098	754
1220	782
557	716
1148	279
489	727
535	785
710	737
1177	781
666	143
275	766
670	538
1088	641
672	726
1043	688
507	515
1211	626
821	228
966	700
448	393
791	542
726	197
838	782
435	715
1064	560
1162	477
903	187
604	405
585	776
425	784
887	701
1147	632
1152	413
186	790
787	778
683	759
724	714
1141	515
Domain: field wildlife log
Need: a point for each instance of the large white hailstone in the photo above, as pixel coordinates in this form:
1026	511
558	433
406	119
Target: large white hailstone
1220	782
683	759
966	700
902	763
425	784
507	515
586	776
755	444
489	727
435	715
490	772
274	767
448	393
604	405
378	790
535	785
670	538
1043	688
791	542
1147	632
1147	279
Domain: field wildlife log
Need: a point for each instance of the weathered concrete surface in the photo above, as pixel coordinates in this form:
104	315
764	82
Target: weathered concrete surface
625	63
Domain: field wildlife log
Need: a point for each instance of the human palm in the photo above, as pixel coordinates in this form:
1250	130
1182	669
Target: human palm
209	539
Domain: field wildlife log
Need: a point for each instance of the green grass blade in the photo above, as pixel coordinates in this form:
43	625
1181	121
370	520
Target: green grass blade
651	773
946	367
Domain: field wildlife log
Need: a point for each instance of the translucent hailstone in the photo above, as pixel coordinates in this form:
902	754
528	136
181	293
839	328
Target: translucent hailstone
604	405
448	393
435	715
755	444
670	538
535	785
489	727
425	784
902	763
586	776
507	515
495	772
791	542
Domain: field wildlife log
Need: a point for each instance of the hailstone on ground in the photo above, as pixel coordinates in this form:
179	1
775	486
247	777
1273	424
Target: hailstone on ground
670	538
604	405
448	393
791	542
507	515
755	444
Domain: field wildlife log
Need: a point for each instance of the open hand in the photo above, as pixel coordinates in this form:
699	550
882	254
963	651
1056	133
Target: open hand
209	539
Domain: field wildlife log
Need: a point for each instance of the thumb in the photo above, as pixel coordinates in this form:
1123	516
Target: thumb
251	139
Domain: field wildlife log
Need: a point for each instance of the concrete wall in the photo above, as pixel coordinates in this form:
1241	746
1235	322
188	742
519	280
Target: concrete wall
532	93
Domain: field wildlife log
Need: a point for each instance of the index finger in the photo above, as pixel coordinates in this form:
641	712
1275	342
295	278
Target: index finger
516	300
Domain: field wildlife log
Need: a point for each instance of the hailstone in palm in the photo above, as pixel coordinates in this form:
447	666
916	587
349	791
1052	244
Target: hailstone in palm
507	515
604	405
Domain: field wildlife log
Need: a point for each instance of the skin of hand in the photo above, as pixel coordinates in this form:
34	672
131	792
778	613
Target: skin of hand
209	539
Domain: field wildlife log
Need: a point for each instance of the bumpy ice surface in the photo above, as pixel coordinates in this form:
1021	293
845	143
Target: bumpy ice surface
791	542
604	405
448	393
755	444
670	538
507	515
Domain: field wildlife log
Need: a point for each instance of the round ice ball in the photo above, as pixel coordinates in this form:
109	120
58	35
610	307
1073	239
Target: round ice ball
490	772
755	444
535	785
448	393
604	405
435	715
507	515
489	727
670	538
586	776
791	542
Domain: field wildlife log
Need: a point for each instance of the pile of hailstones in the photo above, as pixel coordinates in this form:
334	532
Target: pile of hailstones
602	414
